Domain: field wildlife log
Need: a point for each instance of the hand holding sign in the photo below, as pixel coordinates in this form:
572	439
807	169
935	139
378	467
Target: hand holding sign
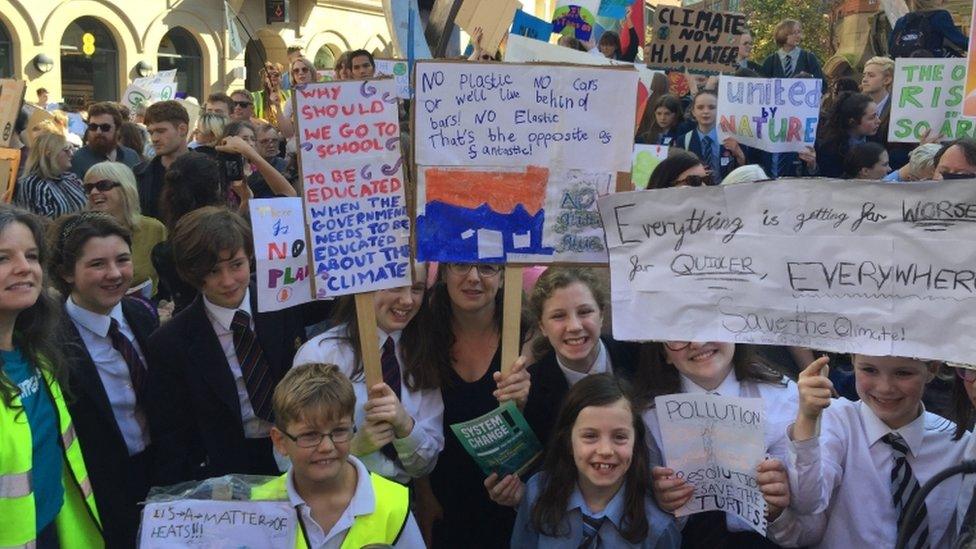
371	437
384	406
507	492
774	483
815	393
514	385
671	492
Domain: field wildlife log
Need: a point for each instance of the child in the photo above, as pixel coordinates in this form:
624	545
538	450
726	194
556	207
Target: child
724	369
719	157
46	498
91	264
855	477
668	122
337	500
398	430
593	489
214	366
964	401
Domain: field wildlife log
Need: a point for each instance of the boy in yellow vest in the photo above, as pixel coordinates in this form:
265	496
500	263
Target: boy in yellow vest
339	503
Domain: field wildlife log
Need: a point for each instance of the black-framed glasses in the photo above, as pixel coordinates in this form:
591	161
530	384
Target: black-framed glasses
104	128
966	374
243	104
676	346
341	435
695	181
104	185
485	270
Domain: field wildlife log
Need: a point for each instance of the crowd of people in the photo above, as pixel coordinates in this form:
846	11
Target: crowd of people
133	354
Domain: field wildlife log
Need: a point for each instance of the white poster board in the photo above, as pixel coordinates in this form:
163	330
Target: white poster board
280	254
715	443
645	161
352	176
397	68
927	94
844	266
217	524
771	114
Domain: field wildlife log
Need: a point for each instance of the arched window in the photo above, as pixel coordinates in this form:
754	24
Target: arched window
6	54
89	62
179	50
254	56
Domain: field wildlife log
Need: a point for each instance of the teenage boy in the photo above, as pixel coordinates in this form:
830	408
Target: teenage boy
214	366
167	123
338	501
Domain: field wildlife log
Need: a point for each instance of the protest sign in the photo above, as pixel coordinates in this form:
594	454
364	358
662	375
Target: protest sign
927	94
349	149
645	159
11	97
715	443
217	524
841	266
494	17
575	18
530	26
512	157
9	165
701	41
613	9
281	260
397	68
771	114
158	87
500	441
969	106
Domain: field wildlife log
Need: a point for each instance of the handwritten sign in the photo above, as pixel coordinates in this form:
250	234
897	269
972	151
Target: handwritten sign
927	94
700	41
969	106
500	441
715	443
349	144
398	69
530	26
575	18
511	159
158	87
11	98
645	160
772	114
283	272
835	265
204	523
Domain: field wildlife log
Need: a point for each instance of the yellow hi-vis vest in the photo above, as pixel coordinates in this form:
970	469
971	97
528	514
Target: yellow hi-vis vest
383	525
77	523
257	97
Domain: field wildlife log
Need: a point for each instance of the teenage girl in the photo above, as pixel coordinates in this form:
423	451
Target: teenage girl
668	122
720	157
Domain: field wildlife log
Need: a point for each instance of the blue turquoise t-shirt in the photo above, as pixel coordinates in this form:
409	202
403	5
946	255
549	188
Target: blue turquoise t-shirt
47	460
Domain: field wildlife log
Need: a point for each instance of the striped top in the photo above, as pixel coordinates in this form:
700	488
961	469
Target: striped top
51	198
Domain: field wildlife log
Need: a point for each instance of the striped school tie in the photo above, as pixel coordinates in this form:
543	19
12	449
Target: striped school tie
707	156
591	527
137	370
254	368
904	486
788	67
391	376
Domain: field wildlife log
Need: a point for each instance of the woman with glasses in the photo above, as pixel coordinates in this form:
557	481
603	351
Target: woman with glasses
964	404
460	355
398	427
302	72
111	189
48	187
729	370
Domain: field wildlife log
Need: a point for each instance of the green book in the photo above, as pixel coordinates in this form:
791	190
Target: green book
500	441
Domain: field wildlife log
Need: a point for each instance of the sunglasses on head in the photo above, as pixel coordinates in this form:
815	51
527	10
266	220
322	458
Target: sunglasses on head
104	185
243	104
104	128
695	181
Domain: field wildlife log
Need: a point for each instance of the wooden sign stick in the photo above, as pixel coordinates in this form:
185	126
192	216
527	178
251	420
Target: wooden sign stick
511	321
370	351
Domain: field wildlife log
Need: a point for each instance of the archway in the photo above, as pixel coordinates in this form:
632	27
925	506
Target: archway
254	57
326	57
179	50
6	53
89	62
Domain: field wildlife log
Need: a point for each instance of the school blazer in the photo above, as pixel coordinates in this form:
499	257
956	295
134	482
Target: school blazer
692	143
772	67
192	405
549	385
103	447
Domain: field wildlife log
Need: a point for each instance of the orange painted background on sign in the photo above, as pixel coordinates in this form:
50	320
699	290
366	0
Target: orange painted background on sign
502	191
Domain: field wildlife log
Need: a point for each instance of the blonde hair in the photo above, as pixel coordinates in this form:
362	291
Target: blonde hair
119	172
212	123
922	158
783	29
887	64
42	157
312	393
308	63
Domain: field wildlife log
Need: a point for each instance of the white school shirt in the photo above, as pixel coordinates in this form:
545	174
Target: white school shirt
780	403
417	451
965	495
112	370
600	366
363	502
841	481
221	319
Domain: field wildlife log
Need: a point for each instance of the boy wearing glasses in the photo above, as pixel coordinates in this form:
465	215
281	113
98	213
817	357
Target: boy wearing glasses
338	501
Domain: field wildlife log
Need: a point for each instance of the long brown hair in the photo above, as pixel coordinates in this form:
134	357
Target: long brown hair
656	377
559	465
557	278
962	408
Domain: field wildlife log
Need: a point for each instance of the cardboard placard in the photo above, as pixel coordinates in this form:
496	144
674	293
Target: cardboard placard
493	16
700	41
11	98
